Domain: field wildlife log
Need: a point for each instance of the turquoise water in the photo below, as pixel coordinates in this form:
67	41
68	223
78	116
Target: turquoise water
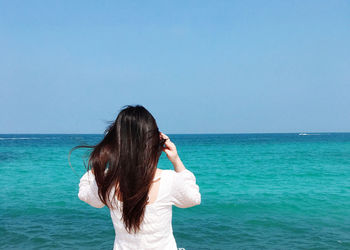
259	191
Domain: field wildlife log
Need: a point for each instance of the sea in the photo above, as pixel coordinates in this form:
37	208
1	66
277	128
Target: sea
259	191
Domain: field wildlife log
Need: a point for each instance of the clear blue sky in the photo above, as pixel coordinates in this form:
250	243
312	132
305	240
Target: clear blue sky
197	66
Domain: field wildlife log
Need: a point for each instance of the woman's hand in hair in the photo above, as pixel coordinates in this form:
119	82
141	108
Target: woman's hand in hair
171	152
169	148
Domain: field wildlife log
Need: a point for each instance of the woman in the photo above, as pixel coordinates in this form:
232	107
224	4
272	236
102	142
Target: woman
123	175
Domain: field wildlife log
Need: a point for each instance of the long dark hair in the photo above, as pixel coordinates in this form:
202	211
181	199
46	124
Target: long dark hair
126	158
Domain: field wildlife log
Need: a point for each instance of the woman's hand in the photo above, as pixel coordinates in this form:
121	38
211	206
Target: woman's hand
169	148
171	153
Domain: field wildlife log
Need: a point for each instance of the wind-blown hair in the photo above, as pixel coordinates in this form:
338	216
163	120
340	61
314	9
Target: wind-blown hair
126	158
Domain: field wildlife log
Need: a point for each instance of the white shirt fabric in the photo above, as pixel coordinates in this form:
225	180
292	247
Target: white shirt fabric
175	188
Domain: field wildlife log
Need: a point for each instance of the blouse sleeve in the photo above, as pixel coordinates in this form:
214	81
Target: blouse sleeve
88	190
184	191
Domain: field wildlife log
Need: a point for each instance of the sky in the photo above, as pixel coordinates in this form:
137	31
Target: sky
197	66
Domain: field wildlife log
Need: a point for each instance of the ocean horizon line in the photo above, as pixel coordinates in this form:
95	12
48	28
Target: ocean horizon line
245	133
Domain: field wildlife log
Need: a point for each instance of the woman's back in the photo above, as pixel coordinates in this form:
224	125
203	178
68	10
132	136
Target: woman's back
175	188
125	161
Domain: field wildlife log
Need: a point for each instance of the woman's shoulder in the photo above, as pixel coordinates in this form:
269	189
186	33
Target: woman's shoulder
182	188
166	171
172	174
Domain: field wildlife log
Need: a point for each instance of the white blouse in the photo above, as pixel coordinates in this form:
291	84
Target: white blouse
175	188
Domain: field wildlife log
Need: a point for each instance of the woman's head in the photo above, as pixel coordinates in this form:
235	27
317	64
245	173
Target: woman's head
126	159
135	136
